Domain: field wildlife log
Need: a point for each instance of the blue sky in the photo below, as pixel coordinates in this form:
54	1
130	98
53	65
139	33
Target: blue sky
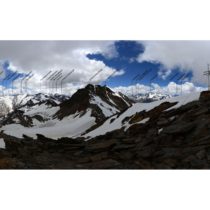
128	51
133	57
10	74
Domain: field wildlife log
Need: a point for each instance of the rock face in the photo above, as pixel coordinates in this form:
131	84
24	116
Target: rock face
101	100
176	138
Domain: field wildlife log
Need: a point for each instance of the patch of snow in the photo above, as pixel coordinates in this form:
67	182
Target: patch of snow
105	108
118	95
42	110
172	118
160	130
110	99
127	125
16	120
144	121
2	143
184	99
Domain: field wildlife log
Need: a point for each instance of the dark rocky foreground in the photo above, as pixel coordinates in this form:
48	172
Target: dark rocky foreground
182	143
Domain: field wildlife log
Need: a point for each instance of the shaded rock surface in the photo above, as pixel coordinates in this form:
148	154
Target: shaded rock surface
171	139
81	101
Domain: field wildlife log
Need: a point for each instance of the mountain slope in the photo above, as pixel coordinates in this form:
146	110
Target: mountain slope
92	111
141	113
9	103
101	100
70	118
23	109
176	136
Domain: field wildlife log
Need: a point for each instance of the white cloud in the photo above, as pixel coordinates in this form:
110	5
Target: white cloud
172	89
43	56
132	89
186	88
164	73
191	55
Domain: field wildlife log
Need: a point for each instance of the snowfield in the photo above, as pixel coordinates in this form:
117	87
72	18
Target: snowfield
2	143
77	124
41	110
71	126
115	123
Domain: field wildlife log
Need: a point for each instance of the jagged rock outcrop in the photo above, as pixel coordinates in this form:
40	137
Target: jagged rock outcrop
101	100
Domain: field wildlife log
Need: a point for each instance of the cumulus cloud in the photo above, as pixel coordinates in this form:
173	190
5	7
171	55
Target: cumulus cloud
187	55
172	89
186	88
43	56
132	89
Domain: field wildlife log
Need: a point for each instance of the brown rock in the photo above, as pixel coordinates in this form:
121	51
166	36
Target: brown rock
126	155
205	96
103	164
201	154
99	156
102	145
143	164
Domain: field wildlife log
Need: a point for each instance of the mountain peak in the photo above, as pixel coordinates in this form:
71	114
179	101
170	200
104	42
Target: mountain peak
102	101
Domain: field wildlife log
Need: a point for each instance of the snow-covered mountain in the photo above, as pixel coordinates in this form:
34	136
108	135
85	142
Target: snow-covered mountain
168	134
141	113
92	111
10	103
149	97
55	116
97	129
38	99
102	102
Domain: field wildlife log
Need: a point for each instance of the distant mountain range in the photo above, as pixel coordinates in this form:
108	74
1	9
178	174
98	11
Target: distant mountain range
148	97
10	103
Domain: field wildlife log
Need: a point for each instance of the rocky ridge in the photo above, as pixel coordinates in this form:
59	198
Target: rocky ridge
172	138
